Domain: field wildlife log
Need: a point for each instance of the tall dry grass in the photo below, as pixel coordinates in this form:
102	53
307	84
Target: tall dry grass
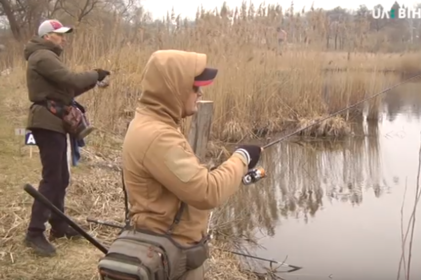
407	237
262	87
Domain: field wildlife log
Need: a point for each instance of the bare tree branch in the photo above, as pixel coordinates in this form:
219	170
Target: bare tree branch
72	8
9	12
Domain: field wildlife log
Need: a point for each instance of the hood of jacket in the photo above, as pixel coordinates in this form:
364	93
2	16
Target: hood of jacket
38	43
167	82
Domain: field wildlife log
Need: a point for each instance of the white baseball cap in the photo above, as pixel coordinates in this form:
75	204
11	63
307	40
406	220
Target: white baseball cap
53	26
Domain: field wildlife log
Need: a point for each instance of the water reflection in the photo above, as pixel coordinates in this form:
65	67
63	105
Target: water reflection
404	100
301	174
335	207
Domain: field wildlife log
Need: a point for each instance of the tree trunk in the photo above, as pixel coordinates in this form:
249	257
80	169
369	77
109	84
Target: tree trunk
14	26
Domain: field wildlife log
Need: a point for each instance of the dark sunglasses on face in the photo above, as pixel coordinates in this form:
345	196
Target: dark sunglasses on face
196	89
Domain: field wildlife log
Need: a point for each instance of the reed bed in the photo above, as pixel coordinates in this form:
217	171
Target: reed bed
263	87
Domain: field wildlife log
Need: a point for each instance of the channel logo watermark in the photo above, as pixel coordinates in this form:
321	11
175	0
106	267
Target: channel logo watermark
403	13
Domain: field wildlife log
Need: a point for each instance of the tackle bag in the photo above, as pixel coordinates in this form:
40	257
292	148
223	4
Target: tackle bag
74	119
130	258
143	255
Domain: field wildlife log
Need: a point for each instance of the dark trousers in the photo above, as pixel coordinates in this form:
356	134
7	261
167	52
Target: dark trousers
55	179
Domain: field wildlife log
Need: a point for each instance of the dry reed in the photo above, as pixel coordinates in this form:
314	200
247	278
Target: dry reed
262	87
405	260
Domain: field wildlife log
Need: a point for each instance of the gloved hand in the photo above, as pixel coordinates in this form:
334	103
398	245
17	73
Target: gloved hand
102	74
251	152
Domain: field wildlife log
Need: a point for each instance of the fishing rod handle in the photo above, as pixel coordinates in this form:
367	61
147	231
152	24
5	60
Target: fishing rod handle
41	198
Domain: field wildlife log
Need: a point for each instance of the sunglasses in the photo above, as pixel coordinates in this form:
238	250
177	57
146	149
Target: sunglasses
196	89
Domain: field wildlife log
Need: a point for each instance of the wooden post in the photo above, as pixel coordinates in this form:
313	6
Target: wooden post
198	137
200	128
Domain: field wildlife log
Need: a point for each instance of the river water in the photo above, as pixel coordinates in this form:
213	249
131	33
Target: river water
334	208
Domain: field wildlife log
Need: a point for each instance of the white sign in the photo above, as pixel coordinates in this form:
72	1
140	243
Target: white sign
20	131
30	139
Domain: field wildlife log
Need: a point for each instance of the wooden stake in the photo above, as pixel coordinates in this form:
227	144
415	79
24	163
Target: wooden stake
200	128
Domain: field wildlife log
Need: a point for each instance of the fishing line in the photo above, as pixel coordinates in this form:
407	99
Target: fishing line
256	174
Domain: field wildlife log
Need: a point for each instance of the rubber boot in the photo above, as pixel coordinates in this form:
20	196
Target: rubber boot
40	244
68	232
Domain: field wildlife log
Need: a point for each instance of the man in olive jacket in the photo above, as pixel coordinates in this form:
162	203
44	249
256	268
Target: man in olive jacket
49	79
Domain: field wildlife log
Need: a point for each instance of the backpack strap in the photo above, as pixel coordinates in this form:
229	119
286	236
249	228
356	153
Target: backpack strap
126	204
175	222
177	218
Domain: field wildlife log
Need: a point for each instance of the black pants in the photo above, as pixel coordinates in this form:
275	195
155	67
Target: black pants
55	179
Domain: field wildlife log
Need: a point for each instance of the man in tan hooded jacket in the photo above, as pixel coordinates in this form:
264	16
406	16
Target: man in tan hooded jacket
161	172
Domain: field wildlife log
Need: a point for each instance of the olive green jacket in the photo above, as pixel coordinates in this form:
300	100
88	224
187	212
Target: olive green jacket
48	78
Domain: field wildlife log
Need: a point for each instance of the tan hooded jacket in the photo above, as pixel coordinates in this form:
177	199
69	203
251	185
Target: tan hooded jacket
160	169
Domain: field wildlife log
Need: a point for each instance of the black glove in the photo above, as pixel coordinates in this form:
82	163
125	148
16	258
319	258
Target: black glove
252	152
102	74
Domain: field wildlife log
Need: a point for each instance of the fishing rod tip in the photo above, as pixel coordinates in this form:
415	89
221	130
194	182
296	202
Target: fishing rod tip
294	268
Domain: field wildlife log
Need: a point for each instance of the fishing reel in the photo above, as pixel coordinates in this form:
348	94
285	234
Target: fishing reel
104	83
254	175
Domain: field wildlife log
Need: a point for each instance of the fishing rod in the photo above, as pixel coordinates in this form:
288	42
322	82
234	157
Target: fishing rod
256	174
293	267
41	198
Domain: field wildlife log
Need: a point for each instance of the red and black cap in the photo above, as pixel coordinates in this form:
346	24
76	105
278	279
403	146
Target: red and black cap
206	77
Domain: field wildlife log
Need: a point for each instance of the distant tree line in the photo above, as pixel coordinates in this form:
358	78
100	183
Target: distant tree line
337	29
